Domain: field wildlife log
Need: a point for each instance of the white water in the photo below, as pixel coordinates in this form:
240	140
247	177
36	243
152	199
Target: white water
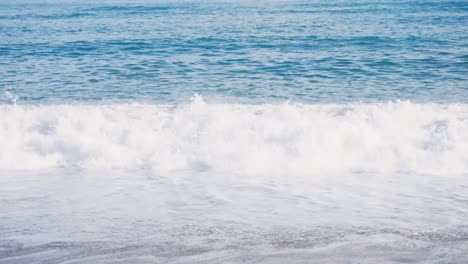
284	138
226	183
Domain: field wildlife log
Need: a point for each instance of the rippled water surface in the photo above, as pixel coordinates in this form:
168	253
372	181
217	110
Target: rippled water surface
247	51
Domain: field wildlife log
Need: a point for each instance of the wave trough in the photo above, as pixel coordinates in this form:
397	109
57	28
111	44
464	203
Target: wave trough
236	138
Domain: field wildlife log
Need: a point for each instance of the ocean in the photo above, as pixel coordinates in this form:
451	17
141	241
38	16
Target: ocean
154	131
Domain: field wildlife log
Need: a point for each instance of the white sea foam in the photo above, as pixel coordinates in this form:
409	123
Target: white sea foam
235	138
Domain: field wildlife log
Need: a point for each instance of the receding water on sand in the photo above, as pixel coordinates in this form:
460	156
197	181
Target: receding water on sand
79	216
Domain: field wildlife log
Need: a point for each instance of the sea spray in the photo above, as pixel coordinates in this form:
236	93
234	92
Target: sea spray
236	138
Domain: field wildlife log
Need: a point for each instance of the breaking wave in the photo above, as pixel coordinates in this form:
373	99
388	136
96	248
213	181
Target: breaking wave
237	138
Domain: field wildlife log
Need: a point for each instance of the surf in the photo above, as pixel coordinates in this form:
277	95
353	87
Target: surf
197	136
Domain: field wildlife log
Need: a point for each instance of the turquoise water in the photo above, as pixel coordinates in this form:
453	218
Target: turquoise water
234	51
233	132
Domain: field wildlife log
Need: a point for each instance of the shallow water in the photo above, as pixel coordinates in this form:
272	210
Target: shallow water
139	217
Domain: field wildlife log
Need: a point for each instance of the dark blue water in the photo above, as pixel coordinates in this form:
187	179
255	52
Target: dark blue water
234	51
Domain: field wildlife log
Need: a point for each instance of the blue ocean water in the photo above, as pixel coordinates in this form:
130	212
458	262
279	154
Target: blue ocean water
236	51
233	131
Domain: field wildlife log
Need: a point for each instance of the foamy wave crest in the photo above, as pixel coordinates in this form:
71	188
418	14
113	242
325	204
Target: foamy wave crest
235	138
